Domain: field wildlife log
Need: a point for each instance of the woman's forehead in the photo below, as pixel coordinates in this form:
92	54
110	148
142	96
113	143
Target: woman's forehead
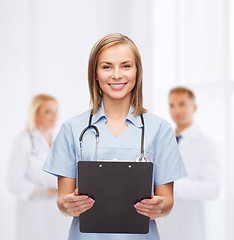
119	52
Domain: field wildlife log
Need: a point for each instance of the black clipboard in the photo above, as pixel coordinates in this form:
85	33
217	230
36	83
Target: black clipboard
115	186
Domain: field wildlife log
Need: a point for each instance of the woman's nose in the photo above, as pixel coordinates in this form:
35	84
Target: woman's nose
117	74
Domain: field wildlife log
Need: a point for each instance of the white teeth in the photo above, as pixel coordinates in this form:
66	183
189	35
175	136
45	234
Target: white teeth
117	85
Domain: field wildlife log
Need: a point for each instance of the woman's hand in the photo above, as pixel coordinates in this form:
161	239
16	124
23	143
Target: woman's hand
76	204
151	208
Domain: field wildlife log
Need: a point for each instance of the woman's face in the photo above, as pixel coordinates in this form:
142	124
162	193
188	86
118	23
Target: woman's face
47	115
116	72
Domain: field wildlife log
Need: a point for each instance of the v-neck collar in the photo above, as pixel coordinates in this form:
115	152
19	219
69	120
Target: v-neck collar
36	133
135	120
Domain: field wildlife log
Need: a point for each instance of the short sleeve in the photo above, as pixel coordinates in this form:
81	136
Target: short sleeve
61	159
169	165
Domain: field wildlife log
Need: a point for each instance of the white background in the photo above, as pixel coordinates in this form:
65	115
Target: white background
44	48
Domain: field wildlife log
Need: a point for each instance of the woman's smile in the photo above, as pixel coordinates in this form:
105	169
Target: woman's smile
117	86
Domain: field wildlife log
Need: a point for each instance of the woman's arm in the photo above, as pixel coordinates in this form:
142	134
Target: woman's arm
69	201
160	204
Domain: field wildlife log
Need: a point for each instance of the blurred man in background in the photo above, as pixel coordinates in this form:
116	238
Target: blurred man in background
187	219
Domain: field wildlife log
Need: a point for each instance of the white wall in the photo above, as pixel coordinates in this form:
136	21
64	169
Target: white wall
192	48
14	94
44	47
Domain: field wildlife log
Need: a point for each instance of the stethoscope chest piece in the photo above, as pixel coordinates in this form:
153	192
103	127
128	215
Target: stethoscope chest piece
142	159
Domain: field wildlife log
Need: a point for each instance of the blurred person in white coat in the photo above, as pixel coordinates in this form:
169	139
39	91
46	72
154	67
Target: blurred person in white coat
188	219
37	215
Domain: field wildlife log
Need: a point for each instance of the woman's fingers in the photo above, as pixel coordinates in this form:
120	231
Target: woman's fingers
150	215
74	198
76	192
78	209
149	210
150	207
77	213
76	204
153	200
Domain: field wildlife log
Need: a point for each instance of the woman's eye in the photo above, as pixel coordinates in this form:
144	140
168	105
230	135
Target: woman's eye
48	111
126	66
106	67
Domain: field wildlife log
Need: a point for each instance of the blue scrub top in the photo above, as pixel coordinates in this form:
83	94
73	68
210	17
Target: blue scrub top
159	144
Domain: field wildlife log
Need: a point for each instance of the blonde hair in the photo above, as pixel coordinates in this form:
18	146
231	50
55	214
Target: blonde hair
181	89
94	88
34	108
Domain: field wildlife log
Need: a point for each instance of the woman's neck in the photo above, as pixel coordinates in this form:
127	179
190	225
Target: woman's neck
46	133
116	109
116	112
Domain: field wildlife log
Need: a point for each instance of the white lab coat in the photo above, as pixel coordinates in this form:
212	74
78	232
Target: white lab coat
187	221
38	218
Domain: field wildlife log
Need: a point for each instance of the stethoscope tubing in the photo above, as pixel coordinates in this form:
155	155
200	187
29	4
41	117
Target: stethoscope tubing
33	147
90	126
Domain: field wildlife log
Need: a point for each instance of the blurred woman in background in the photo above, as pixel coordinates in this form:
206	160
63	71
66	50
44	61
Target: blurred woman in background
34	189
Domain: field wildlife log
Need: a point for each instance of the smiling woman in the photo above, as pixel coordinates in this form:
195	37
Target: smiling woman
127	57
115	84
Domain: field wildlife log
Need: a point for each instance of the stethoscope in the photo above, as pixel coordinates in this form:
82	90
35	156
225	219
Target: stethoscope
33	147
34	151
141	158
